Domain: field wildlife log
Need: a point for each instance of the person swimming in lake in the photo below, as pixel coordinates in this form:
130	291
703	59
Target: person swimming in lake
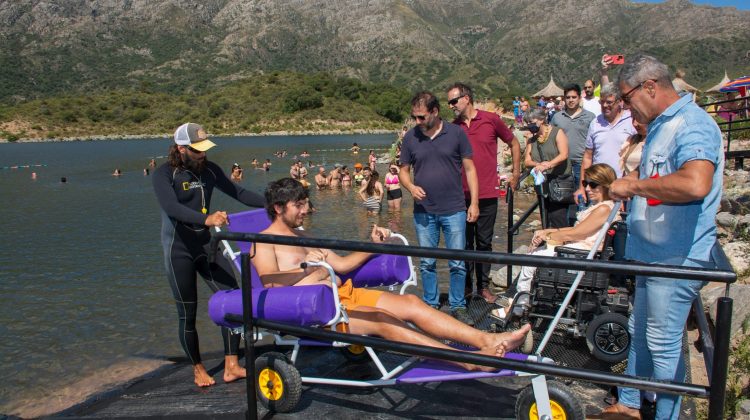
393	188
355	148
117	172
372	193
346	177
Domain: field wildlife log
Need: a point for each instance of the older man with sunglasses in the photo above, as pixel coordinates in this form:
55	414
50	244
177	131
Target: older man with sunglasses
675	195
437	151
607	133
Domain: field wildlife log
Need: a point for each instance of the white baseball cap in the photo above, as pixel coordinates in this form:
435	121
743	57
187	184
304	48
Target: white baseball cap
193	135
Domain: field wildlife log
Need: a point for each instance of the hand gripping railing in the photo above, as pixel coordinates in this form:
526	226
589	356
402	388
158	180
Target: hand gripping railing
715	392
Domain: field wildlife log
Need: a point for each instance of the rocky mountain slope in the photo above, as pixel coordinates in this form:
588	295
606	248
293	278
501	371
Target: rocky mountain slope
499	45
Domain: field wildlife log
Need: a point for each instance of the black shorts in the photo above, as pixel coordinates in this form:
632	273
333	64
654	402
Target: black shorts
393	194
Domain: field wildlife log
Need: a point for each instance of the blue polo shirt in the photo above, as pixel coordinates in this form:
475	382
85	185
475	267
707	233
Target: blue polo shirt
436	167
671	233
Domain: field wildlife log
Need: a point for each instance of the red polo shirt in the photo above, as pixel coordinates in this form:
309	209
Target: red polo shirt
483	133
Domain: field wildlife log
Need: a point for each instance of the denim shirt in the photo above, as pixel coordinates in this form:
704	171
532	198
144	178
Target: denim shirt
671	233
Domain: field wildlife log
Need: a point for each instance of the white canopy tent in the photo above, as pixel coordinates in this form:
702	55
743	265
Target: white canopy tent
724	81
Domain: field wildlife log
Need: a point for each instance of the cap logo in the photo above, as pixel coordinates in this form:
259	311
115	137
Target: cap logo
202	134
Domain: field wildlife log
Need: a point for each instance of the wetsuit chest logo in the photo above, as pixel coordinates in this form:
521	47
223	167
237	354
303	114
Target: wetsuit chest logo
187	186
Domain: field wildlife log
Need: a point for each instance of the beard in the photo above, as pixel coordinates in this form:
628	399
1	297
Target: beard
194	165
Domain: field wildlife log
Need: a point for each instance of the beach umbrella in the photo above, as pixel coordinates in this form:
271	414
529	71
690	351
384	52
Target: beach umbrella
717	87
739	84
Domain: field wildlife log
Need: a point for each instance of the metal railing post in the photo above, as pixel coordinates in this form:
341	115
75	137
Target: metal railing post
718	378
247	317
509	199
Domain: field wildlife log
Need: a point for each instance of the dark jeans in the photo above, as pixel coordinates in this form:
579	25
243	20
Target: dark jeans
479	237
573	209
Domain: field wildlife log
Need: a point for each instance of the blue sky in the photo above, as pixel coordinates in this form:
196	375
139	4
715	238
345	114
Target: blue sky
740	4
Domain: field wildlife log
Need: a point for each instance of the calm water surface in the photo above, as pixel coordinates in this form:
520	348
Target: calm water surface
81	272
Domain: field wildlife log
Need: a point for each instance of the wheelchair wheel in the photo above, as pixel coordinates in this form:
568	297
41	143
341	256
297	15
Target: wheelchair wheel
563	403
607	337
355	353
278	384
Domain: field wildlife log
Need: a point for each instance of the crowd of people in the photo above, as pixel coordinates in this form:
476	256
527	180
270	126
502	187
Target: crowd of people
639	141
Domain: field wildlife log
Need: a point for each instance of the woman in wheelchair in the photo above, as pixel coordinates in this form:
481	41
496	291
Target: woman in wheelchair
596	181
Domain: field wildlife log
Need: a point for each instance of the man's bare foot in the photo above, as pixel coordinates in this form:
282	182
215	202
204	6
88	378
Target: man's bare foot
202	378
508	341
232	369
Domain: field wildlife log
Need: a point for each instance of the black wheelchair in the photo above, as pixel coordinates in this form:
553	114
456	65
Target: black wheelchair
599	308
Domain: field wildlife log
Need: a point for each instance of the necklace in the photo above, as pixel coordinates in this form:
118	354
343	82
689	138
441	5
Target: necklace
204	210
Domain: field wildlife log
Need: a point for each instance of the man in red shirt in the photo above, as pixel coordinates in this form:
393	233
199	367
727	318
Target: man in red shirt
483	129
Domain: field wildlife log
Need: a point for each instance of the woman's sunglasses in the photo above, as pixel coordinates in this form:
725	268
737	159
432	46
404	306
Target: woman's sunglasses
591	184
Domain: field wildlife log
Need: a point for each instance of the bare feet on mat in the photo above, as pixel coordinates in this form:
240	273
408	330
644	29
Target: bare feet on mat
513	339
202	378
233	370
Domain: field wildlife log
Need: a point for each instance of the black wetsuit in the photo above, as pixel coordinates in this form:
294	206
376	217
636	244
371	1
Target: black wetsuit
182	195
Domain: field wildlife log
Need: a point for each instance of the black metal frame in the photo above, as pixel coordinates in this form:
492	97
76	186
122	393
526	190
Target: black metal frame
715	392
737	155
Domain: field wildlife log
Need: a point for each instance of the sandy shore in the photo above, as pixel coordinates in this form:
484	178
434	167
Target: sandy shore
169	135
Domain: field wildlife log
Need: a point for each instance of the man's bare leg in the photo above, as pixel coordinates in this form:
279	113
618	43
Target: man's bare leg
438	324
374	321
202	378
232	369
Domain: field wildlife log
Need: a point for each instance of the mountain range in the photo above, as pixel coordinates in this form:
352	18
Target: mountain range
500	46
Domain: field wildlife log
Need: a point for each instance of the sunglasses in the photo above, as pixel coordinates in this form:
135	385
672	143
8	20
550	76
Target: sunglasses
419	117
591	184
193	150
455	100
627	96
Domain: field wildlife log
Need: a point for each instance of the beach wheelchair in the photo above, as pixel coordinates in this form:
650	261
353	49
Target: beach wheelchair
278	381
600	306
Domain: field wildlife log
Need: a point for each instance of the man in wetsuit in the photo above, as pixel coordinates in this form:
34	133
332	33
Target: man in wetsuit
183	187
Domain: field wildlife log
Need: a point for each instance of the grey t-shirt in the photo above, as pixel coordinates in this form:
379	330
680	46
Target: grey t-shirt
576	128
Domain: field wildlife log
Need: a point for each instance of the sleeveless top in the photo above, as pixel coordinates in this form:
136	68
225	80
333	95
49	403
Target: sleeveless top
547	152
588	243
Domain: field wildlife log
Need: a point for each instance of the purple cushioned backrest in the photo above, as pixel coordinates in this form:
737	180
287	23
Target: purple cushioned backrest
381	270
251	221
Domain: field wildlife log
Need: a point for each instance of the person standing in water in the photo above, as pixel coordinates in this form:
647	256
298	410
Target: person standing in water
184	186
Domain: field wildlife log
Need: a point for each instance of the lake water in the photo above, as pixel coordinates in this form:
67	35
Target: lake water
82	281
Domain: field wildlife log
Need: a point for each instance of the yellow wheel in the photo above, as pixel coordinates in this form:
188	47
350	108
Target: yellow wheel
270	384
278	384
557	411
563	403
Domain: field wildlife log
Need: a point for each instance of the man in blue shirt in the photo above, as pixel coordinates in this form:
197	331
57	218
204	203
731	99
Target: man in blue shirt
675	195
438	150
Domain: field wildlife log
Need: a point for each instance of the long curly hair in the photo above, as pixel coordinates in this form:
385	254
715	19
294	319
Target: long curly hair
174	158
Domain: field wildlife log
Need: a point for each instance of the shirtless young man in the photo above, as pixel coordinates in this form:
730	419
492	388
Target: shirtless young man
371	312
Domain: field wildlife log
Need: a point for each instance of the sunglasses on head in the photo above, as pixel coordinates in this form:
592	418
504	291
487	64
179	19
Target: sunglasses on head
591	184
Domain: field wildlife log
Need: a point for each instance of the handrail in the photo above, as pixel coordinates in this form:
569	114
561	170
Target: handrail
716	393
513	227
640	269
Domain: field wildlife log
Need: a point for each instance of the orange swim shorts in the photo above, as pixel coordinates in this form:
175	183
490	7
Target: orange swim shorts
352	297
